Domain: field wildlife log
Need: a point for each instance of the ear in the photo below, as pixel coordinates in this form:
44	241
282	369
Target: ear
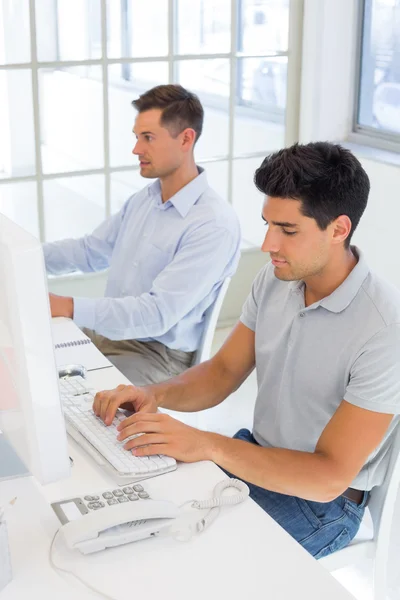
188	139
341	229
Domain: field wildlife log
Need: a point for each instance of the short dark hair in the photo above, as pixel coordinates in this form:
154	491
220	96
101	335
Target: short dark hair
327	179
180	108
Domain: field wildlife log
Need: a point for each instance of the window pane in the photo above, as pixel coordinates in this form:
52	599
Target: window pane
248	201
140	30
18	202
263	26
71	112
15	36
210	80
126	83
217	176
260	104
204	26
123	185
73	206
379	104
17	140
68	29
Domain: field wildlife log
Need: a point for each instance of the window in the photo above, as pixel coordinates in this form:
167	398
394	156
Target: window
69	70
378	110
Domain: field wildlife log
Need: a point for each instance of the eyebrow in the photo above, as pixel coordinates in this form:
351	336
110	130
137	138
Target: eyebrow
143	132
280	223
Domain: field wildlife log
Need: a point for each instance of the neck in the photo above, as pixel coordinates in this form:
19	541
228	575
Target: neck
330	278
175	181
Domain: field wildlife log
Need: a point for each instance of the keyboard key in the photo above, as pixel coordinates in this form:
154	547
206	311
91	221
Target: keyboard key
127	490
112	501
107	495
138	488
133	497
143	495
118	493
123	499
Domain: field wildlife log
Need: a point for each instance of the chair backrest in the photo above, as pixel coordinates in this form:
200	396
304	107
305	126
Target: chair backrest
210	323
383	498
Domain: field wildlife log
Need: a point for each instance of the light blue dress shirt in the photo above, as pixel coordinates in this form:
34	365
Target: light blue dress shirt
166	264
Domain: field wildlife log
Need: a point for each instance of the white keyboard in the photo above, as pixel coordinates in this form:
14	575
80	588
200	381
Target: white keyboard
77	402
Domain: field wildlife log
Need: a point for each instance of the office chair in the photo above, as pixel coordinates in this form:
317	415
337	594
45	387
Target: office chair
381	506
210	322
197	419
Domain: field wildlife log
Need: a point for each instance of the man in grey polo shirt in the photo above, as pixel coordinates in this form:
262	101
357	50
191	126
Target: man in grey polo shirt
323	332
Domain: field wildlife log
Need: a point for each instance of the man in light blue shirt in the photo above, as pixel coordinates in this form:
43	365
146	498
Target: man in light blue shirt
168	249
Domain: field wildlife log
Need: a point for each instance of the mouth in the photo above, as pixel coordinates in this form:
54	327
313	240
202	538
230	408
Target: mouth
278	262
144	163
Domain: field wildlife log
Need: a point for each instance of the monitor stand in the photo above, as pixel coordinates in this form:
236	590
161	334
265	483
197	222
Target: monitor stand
10	464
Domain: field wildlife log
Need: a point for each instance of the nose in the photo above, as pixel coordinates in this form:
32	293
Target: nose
136	149
271	242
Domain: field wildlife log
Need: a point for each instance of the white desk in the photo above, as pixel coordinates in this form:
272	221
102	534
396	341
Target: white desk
243	554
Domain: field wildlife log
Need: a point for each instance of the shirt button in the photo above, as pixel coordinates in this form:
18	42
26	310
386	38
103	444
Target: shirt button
301	314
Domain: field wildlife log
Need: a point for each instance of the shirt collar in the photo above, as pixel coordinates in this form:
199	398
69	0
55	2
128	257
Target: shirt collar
186	197
347	290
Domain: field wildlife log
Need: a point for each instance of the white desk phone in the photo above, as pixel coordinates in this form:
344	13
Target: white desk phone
114	517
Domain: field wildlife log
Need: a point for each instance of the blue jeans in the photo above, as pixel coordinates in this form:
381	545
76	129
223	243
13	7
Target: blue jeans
320	527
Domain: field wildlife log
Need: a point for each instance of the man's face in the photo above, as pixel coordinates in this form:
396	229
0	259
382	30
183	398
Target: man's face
298	248
159	153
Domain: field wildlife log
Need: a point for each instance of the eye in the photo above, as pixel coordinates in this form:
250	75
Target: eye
148	138
289	232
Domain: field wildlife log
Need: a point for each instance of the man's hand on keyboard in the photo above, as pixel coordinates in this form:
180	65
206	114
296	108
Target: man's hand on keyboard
106	403
163	434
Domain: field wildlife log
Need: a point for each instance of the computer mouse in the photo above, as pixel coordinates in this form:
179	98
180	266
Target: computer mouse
72	371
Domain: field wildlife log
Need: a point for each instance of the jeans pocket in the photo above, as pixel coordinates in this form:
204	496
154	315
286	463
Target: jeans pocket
339	542
309	514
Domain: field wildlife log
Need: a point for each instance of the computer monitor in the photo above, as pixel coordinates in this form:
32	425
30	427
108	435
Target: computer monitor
31	416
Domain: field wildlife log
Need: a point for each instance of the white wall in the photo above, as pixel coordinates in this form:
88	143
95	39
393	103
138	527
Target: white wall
326	111
378	232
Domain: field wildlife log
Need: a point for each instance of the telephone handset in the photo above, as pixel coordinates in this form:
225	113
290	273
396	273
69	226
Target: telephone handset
114	517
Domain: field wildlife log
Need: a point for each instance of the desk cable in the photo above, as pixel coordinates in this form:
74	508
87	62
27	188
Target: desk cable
213	504
60	570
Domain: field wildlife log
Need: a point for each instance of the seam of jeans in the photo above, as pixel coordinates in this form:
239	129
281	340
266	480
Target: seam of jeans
308	513
333	546
323	528
351	508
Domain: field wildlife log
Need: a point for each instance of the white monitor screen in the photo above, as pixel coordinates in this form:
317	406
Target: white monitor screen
30	409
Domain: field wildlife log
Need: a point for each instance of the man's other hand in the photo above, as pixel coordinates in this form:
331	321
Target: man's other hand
162	434
61	306
132	398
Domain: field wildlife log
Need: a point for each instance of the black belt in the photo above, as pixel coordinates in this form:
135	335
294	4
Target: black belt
354	495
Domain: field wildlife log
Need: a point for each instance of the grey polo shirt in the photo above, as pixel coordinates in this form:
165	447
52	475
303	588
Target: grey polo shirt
345	346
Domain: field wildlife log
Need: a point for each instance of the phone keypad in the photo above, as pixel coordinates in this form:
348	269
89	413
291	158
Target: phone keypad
114	497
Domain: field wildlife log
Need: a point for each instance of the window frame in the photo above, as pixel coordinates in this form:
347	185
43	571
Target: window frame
293	54
363	134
